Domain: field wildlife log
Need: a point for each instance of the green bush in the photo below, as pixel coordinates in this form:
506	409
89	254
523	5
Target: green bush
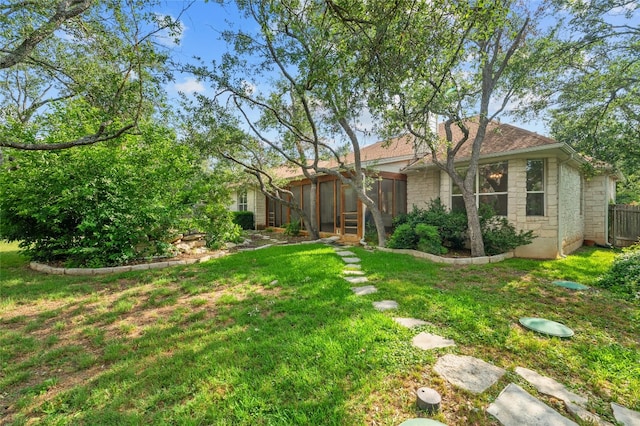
109	203
452	226
293	228
499	236
403	237
243	219
429	240
624	276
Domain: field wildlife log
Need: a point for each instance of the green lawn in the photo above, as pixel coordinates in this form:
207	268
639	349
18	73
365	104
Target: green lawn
275	336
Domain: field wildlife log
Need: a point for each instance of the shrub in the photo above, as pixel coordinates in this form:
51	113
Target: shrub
403	237
292	228
109	203
624	275
429	240
500	236
243	219
452	226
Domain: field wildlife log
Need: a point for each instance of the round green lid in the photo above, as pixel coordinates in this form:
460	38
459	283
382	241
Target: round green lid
421	422
570	284
546	326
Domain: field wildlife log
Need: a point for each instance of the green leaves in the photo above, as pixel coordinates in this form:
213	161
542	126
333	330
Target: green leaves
106	204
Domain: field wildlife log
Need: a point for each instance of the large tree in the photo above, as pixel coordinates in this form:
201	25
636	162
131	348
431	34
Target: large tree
212	131
466	62
598	111
294	85
98	62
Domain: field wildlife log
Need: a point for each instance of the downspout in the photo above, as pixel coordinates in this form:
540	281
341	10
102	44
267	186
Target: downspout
560	228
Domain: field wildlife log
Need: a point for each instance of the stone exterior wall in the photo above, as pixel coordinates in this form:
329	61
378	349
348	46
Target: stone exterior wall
571	208
596	203
422	187
545	228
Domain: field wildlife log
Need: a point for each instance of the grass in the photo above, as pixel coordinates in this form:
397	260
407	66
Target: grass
275	336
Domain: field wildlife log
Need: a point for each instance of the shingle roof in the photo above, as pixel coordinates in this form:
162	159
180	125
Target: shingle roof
499	138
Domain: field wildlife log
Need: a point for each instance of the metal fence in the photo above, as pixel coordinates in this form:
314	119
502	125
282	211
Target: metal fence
624	224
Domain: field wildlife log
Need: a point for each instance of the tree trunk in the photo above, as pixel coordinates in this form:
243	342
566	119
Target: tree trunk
377	219
312	224
473	223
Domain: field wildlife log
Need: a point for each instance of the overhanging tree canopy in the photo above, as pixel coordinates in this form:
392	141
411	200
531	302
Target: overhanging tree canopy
95	62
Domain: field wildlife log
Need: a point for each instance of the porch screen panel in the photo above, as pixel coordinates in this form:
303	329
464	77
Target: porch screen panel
400	200
327	207
306	199
297	197
278	212
386	203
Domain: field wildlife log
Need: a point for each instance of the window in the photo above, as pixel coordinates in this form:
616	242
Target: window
492	183
535	187
243	205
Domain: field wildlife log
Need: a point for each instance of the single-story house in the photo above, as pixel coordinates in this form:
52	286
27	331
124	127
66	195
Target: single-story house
534	181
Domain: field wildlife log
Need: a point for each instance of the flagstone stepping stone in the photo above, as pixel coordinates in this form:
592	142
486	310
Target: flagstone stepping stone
410	322
357	280
545	326
548	386
351	259
344	253
421	422
428	341
469	373
352	266
352	272
385	305
362	291
571	285
515	407
625	416
584	414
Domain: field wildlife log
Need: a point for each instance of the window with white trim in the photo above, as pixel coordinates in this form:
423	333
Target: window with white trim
535	188
243	204
491	185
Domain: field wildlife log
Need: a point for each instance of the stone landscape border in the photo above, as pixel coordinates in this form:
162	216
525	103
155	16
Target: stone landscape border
117	269
483	260
160	265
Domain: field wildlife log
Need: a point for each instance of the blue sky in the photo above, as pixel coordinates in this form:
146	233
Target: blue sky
202	25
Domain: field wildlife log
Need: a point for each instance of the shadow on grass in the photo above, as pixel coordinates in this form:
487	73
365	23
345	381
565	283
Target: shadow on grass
301	350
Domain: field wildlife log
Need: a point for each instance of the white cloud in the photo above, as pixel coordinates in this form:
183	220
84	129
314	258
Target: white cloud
190	85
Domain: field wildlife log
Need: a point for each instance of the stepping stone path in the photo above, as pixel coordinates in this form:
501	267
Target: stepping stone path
427	341
514	406
410	322
363	291
469	373
357	280
385	305
625	416
548	386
